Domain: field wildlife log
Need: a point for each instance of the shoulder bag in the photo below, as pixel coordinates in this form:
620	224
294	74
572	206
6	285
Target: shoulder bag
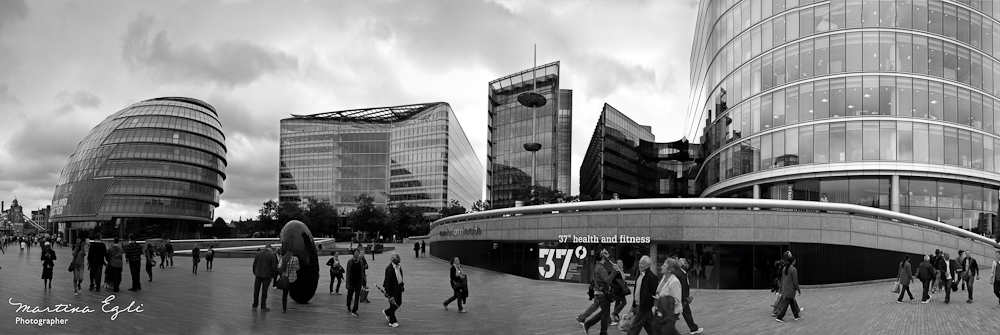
282	283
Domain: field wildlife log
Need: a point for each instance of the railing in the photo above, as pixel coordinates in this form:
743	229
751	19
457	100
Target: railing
722	203
33	223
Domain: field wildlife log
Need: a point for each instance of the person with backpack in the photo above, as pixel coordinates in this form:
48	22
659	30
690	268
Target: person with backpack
209	256
336	272
605	273
903	277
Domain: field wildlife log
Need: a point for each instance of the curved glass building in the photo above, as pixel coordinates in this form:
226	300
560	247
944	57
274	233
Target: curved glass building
155	168
890	104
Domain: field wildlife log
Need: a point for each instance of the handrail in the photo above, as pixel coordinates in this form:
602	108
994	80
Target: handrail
717	203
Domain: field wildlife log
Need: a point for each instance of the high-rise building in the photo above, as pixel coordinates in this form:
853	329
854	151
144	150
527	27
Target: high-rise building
154	168
624	159
889	104
509	170
414	154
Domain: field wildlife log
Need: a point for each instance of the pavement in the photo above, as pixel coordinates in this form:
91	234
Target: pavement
180	302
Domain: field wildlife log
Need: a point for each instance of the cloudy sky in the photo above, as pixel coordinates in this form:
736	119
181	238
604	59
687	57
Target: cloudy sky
66	65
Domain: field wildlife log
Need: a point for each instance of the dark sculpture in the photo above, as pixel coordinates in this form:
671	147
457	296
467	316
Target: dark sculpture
295	236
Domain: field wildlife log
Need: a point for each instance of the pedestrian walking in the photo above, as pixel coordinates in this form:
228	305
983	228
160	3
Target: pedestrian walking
163	255
776	286
666	305
133	254
96	258
926	273
937	262
995	276
605	273
115	265
620	291
457	280
789	286
686	298
971	274
903	279
209	257
265	265
423	248
48	262
150	260
393	284
960	271
355	280
195	258
948	272
170	252
336	272
77	264
289	269
642	299
416	249
23	246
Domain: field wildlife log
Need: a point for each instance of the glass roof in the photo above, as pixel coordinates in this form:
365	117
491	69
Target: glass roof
373	115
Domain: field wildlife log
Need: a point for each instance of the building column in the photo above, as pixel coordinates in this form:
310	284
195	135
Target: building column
756	191
894	194
652	257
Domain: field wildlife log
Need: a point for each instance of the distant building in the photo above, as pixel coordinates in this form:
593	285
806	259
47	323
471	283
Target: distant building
624	159
509	167
413	154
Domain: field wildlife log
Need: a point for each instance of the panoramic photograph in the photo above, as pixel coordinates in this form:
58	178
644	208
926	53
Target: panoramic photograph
584	167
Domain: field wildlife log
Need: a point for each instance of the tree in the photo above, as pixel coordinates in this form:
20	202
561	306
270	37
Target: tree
267	217
368	217
409	220
453	208
288	211
481	205
219	223
321	217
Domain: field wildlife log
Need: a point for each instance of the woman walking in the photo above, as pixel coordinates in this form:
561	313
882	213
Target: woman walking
79	257
289	268
150	260
196	258
209	256
336	272
789	286
459	285
903	278
48	256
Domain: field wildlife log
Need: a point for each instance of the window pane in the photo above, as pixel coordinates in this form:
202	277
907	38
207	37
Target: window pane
905	140
806	61
838	97
855	96
920	143
964	148
904	53
855	141
936	100
977	151
806	111
935	143
920	57
838	53
821	143
871	49
870	96
870	131
855	52
887	91
792	105
822	56
805	143
887	141
951	148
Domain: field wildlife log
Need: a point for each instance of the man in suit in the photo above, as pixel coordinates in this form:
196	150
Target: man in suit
96	258
265	264
393	284
642	298
948	268
925	272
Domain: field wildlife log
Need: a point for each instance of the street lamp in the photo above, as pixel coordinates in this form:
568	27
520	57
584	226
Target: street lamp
533	100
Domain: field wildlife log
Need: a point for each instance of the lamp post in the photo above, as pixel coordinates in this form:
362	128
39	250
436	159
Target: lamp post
532	100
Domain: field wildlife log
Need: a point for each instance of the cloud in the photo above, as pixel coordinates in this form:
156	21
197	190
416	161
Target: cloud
5	97
74	99
608	75
12	10
228	63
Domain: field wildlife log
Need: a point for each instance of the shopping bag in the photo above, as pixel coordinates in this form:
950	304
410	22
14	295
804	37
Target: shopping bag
626	322
777	300
896	288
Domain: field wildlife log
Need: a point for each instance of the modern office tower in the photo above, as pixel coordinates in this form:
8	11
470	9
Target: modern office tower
889	104
509	166
154	168
414	154
624	159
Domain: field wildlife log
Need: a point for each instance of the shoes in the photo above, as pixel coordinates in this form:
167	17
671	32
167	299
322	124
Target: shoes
394	325
264	308
331	293
338	293
614	323
779	320
969	301
801	309
924	301
946	301
797	319
354	313
76	293
586	330
698	331
254	307
899	301
461	311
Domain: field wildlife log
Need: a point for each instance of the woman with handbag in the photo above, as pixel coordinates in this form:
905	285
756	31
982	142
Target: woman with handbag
289	273
76	265
336	272
150	260
903	279
48	258
457	279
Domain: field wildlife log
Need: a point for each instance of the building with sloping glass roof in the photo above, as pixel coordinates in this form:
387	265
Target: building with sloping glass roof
414	154
155	168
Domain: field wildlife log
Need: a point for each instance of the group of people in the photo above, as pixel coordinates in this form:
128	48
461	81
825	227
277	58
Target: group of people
785	287
657	301
939	272
419	248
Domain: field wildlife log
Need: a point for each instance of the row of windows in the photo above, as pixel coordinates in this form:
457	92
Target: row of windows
83	164
186	111
525	127
869	52
95	138
179	104
506	147
340	148
857	141
420	142
857	96
173	122
413	169
160	169
539	74
79	198
166	136
170	188
339	160
421	157
341	137
153	205
167	152
403	130
343	184
418	183
335	173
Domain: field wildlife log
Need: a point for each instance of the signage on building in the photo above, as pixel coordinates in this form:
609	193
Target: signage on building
461	231
603	239
564	263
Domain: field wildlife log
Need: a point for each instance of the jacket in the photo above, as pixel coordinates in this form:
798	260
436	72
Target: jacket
603	277
392	285
133	252
98	253
950	269
685	285
265	264
904	273
973	268
646	291
925	271
789	282
115	256
355	274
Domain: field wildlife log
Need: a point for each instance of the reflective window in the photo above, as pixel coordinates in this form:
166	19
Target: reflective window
822	143
905	140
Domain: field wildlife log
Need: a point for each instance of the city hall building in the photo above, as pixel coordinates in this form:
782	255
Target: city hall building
850	133
414	154
155	168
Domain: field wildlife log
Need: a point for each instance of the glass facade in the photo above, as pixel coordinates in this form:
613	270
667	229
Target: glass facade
823	84
162	160
624	159
509	165
415	154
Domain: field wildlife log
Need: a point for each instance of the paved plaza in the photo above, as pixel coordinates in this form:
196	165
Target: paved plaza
217	302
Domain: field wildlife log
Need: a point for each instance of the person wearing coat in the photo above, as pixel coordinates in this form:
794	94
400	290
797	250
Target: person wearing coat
416	249
926	274
48	258
79	257
458	285
642	299
789	286
903	277
394	288
971	272
667	302
948	271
